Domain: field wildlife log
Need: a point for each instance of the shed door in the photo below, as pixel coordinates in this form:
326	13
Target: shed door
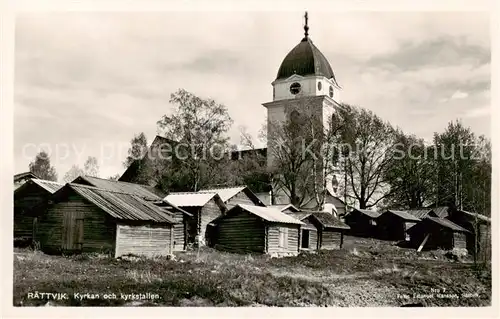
72	231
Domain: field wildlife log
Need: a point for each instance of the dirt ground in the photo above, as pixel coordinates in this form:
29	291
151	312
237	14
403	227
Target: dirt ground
365	272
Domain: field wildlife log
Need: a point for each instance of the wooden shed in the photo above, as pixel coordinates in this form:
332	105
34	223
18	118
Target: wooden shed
393	224
80	218
331	230
437	233
204	207
469	220
232	196
309	232
322	230
30	194
256	229
362	222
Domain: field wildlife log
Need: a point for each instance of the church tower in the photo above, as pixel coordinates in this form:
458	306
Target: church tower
305	79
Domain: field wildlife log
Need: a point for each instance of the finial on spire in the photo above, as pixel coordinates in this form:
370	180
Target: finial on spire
306	26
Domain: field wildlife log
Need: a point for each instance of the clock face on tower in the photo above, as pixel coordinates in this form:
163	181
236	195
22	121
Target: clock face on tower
295	88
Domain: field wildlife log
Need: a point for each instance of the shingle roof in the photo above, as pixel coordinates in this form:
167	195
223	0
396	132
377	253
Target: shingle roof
269	214
225	193
404	215
330	221
124	206
189	199
49	186
116	186
369	213
283	207
447	223
419	213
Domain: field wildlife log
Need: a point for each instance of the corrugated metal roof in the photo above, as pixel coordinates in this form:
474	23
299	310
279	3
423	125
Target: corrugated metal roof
49	186
224	193
269	214
116	186
404	215
369	213
124	206
330	221
189	199
283	207
447	223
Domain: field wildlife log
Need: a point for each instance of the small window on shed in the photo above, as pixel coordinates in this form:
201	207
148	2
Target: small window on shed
373	222
407	237
283	237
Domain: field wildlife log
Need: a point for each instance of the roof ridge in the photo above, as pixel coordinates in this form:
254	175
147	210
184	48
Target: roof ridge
46	181
111	191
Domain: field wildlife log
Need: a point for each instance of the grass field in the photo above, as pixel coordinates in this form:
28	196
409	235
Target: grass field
364	273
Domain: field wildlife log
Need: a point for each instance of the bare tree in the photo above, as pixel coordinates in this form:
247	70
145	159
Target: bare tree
369	146
91	167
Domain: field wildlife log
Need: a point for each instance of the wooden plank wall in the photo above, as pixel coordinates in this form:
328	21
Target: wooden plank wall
273	239
59	229
180	231
459	240
23	201
241	232
331	239
147	240
208	213
313	234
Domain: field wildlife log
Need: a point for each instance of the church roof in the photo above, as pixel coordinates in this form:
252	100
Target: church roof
305	59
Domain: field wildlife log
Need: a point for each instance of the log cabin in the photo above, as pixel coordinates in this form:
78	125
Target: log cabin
393	224
81	218
479	227
362	222
257	229
232	196
331	230
204	207
30	194
437	233
322	230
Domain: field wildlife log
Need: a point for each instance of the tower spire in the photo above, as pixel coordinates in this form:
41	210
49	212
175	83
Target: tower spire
306	26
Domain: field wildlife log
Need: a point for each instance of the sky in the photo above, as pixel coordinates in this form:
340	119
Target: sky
86	82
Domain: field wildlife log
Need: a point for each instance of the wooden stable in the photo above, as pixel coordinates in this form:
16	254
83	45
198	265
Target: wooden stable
321	230
80	218
362	222
255	229
30	194
479	227
437	233
203	207
393	224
